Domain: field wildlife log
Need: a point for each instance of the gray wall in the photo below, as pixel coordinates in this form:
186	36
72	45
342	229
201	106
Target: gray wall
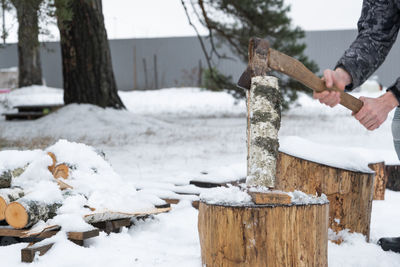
178	59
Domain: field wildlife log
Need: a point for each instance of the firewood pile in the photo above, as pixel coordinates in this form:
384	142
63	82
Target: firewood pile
67	187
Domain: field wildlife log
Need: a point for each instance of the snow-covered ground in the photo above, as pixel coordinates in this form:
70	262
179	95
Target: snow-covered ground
171	136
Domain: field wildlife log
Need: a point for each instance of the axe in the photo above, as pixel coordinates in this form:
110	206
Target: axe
263	59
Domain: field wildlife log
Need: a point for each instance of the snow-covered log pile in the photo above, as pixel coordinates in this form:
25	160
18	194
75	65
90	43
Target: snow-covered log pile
67	184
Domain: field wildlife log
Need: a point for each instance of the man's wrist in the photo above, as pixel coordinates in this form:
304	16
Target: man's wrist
390	100
344	75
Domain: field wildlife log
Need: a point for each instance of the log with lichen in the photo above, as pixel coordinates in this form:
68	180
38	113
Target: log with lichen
263	123
5	179
24	212
6	176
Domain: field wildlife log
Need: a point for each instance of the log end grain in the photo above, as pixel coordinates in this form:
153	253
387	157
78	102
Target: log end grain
16	215
61	171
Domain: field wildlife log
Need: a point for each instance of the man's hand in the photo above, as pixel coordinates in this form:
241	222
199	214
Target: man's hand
339	78
375	110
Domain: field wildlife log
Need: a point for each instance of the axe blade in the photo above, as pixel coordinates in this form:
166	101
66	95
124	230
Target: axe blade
244	81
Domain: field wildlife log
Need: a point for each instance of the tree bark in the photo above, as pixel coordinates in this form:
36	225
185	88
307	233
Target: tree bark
380	180
29	64
393	174
5	179
263	123
86	59
263	235
349	192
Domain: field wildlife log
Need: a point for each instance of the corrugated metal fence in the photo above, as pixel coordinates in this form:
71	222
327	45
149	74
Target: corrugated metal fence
174	62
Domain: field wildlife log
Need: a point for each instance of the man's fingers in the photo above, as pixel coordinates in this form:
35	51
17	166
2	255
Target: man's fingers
328	77
320	95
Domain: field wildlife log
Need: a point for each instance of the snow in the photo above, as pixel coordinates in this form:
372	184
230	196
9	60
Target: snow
13	159
231	195
33	95
300	198
155	145
329	155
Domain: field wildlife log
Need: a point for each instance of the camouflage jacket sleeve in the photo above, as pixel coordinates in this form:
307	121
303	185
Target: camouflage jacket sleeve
377	31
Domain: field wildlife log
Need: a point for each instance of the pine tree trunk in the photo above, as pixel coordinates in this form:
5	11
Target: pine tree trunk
29	64
86	59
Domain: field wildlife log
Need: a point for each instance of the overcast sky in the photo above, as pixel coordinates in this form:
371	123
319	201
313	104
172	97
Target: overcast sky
161	18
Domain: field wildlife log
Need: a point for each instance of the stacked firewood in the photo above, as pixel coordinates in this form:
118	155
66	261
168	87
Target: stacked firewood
20	212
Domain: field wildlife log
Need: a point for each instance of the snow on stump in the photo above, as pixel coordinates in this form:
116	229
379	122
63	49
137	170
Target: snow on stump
393	180
380	180
349	191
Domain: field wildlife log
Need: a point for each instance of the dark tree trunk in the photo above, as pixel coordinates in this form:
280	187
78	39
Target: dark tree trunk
86	58
29	66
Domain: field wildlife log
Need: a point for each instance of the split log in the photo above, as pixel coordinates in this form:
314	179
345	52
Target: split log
380	180
61	171
8	195
63	185
263	235
349	193
263	123
53	165
115	215
24	212
393	174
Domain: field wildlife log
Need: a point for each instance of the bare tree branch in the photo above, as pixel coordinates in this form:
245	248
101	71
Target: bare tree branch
208	59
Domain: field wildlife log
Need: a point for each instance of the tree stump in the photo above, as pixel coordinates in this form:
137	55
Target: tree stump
263	235
393	174
380	180
349	192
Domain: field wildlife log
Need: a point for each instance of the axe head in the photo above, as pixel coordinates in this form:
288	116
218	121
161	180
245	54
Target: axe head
244	81
258	62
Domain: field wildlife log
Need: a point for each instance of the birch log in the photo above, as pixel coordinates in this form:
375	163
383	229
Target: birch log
8	195
263	123
5	179
24	212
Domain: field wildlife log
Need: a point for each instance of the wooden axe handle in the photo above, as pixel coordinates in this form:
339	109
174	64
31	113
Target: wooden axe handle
296	70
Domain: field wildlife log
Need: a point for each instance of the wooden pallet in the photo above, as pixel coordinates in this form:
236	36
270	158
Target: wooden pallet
107	225
31	112
28	253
